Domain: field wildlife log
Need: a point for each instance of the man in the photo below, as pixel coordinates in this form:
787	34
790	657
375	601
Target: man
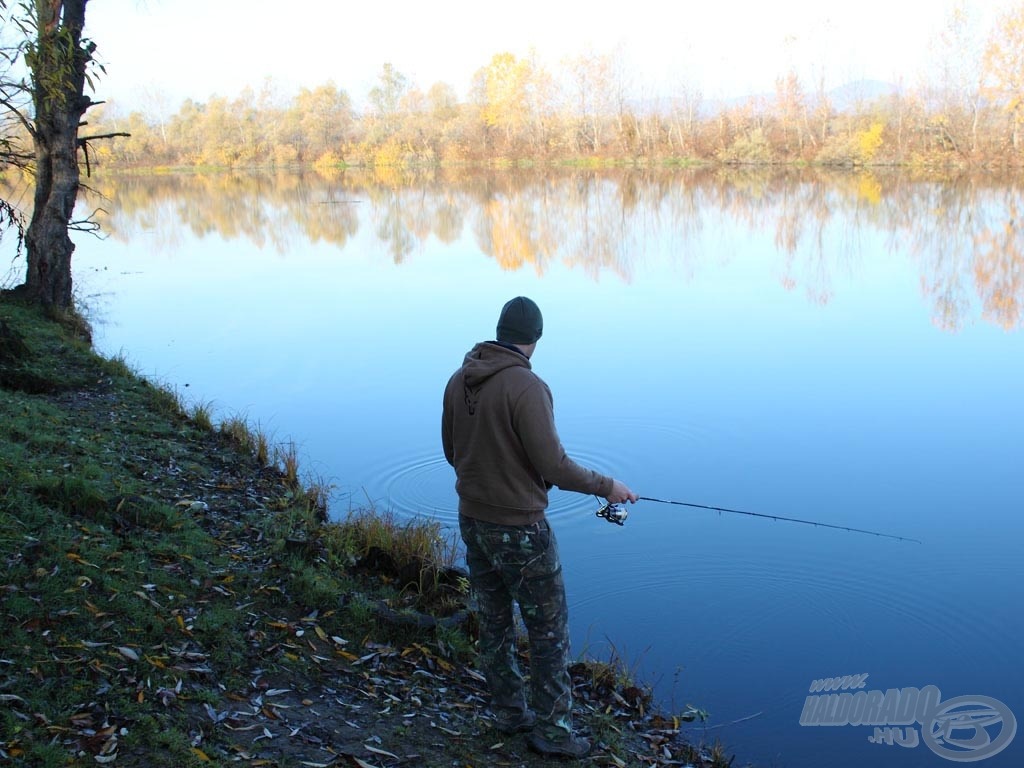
499	434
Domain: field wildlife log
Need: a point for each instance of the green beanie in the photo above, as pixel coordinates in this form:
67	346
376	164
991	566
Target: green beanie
520	322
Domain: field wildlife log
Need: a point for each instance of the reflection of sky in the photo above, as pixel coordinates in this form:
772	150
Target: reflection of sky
699	379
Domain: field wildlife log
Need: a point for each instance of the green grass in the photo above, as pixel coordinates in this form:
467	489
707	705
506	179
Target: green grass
288	456
408	541
116	570
201	414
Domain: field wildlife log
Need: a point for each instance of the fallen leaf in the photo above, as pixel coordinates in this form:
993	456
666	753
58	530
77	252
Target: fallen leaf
128	653
380	752
76	558
252	727
166	696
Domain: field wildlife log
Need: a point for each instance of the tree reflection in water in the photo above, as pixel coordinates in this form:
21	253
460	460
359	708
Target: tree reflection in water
962	232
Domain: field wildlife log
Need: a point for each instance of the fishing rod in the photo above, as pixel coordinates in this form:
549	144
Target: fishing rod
617	514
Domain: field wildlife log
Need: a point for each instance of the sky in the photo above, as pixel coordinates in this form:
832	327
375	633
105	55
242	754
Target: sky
159	52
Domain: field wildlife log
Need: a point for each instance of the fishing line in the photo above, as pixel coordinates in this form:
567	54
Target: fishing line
615	513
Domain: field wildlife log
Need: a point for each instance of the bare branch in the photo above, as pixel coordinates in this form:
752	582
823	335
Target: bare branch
83	142
11	107
117	134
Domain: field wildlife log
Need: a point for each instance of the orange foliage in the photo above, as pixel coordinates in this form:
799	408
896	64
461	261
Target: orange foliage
999	273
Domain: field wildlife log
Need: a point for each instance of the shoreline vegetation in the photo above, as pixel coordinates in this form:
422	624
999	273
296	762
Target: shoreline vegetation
174	594
962	111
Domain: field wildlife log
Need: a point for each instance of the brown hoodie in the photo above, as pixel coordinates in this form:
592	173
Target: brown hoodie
498	431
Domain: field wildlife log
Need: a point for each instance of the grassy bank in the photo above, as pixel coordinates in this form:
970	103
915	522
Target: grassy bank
172	595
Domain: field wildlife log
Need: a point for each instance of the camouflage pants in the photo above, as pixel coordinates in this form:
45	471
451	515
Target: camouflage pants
520	564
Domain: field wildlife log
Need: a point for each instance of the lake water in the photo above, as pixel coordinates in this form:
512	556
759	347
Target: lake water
847	349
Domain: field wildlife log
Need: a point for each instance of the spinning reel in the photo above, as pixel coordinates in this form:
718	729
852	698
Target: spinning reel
613	513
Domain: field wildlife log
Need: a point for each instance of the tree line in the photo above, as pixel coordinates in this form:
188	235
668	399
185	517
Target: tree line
967	111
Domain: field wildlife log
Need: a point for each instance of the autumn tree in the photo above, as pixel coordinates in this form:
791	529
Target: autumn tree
597	104
503	88
59	59
325	120
443	103
386	97
957	63
591	99
790	110
1004	68
681	122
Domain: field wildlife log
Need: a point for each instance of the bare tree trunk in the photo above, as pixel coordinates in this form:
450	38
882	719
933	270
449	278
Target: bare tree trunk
1015	134
58	69
975	113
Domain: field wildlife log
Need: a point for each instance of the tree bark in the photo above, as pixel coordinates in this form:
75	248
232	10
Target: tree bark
58	68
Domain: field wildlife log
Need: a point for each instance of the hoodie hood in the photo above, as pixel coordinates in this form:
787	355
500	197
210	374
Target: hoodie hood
489	358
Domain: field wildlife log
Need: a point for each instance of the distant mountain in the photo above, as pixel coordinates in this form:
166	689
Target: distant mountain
860	92
844	97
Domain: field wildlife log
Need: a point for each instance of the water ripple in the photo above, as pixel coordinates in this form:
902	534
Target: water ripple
755	578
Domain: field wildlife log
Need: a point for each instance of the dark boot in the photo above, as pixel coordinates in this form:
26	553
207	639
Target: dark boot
521	724
574	746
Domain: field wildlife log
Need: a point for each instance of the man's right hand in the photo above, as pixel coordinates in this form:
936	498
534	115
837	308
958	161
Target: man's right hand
620	493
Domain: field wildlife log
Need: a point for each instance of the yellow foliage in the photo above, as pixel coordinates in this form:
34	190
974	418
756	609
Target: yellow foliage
389	154
510	244
453	153
327	160
389	176
328	172
999	273
285	154
1004	74
869	141
869	189
506	86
